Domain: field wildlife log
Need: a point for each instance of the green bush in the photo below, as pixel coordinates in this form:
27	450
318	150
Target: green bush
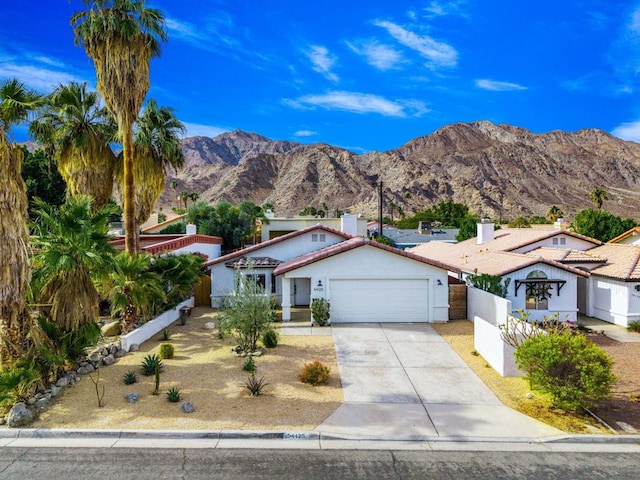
173	395
166	350
270	338
634	326
18	382
249	365
570	368
150	363
320	311
130	378
314	373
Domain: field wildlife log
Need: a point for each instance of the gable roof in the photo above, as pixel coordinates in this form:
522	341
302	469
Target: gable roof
351	244
274	241
634	231
566	255
484	260
623	262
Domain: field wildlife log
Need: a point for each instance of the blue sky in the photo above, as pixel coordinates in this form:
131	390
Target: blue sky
364	75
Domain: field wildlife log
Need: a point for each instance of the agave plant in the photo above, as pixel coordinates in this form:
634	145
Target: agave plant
151	363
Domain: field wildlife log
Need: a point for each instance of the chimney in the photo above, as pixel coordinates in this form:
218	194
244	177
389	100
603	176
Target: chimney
191	229
349	224
269	214
559	224
485	231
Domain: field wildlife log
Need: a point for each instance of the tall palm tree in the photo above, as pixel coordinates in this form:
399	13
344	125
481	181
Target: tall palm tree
157	148
174	187
78	131
16	103
597	197
71	249
554	213
121	36
132	288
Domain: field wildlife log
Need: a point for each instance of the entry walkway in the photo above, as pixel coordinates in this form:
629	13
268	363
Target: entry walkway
403	381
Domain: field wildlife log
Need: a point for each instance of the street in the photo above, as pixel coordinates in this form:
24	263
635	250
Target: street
140	463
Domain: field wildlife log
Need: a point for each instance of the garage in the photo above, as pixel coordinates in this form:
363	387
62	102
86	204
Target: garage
366	281
379	300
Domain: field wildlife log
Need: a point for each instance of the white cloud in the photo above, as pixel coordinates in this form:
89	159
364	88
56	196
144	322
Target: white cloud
322	61
360	103
497	86
37	78
628	131
305	133
200	130
440	9
438	53
185	31
383	57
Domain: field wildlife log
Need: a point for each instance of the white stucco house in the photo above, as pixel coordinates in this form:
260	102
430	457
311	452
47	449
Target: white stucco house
355	225
366	281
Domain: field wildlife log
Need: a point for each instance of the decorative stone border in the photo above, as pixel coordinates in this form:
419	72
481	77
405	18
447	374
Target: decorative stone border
152	327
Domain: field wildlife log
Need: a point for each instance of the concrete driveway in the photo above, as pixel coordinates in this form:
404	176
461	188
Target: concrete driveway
403	381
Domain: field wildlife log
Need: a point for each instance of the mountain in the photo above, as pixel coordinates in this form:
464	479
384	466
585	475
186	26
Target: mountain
499	170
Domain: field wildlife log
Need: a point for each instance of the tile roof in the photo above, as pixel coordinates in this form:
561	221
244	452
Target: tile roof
351	244
566	255
633	231
256	262
623	261
485	260
254	248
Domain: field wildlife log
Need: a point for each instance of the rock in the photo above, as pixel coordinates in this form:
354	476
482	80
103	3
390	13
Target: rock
258	353
134	347
121	353
86	369
529	395
104	352
94	357
187	407
19	416
55	391
32	401
210	325
113	349
131	397
42	403
108	360
63	382
3	420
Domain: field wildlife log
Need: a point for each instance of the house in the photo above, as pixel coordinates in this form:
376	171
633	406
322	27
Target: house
365	281
262	259
630	237
354	225
537	282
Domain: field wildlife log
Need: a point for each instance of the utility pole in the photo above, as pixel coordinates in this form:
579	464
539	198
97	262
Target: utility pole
380	202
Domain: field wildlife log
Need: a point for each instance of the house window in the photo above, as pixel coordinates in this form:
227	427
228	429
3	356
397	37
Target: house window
260	279
563	241
314	237
538	293
323	237
273	283
555	241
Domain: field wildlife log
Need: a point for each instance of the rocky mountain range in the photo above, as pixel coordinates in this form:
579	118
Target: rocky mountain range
498	170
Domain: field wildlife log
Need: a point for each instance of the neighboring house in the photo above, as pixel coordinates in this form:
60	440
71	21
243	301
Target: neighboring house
630	237
354	225
262	259
154	227
409	238
365	281
539	284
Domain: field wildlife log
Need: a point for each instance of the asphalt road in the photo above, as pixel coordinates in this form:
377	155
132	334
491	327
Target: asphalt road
123	463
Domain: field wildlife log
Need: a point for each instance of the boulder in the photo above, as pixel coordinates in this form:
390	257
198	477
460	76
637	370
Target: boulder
134	347
120	353
55	391
108	360
63	382
187	407
131	397
86	369
42	403
19	416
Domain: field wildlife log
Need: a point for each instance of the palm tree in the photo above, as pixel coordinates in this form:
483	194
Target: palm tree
78	131
184	197
121	36
174	186
554	213
193	196
597	197
72	248
16	103
255	216
132	288
157	147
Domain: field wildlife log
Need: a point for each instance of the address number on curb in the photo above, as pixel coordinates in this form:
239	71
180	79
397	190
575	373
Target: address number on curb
295	436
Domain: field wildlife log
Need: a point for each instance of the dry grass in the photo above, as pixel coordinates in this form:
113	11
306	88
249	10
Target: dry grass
210	377
512	391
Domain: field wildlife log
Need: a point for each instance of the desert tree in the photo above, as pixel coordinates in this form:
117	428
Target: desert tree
597	197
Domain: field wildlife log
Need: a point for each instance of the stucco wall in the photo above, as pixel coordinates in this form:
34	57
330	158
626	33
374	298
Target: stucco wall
614	301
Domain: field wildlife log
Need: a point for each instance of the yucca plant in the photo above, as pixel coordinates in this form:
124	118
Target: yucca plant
254	385
150	363
130	377
173	395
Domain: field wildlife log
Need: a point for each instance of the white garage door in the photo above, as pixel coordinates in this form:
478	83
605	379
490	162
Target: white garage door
380	300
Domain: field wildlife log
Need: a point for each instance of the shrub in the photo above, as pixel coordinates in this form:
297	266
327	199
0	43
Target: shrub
150	363
314	373
18	382
255	386
166	334
173	395
270	338
570	368
489	283
130	377
634	326
249	365
320	311
166	350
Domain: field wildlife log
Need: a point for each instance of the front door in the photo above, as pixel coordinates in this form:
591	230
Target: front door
301	291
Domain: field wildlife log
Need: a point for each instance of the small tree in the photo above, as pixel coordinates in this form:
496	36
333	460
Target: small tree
570	368
320	311
248	312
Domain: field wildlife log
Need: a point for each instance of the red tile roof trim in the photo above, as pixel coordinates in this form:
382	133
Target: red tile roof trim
297	233
175	244
351	244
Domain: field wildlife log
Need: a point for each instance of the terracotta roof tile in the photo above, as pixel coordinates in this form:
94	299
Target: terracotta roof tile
509	239
623	261
257	262
566	255
633	231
